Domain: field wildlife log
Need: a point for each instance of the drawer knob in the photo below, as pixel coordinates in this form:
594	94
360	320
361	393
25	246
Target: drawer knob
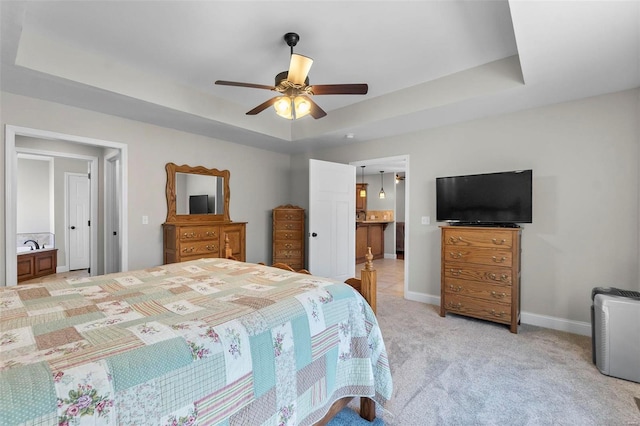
212	247
502	278
497	314
455	288
187	250
189	235
455	240
288	246
499	259
499	242
457	255
211	234
452	305
288	226
455	272
498	295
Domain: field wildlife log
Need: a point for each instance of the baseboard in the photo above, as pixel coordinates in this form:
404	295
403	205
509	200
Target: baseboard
390	256
60	269
421	297
553	323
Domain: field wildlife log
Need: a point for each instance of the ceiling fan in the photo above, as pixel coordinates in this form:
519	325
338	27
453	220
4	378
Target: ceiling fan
295	91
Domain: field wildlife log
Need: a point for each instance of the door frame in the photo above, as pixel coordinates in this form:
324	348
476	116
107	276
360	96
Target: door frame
407	221
11	131
93	231
112	211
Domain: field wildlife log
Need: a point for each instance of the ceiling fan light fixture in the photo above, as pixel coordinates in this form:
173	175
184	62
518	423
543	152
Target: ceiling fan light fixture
292	108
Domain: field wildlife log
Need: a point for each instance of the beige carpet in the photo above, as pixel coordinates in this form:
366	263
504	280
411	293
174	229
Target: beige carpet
461	371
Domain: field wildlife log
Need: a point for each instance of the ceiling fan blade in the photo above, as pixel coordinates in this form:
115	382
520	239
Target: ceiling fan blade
238	84
263	106
340	89
299	68
316	112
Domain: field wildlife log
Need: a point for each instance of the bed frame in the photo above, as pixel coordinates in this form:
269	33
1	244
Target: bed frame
366	285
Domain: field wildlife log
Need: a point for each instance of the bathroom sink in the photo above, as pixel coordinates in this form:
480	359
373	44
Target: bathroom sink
24	249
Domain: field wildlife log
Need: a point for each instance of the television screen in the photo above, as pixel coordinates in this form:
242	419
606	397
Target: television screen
493	198
198	204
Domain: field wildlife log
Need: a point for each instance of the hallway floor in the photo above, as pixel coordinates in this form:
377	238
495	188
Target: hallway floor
390	273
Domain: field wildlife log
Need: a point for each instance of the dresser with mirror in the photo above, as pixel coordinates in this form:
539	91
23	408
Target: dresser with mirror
198	222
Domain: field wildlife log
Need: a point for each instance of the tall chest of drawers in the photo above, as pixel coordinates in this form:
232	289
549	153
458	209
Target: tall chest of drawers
480	273
288	236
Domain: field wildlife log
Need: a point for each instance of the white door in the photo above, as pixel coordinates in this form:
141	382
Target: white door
332	219
79	221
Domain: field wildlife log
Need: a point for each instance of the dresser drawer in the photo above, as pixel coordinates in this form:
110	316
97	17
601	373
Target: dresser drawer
481	273
287	245
478	308
471	238
482	256
500	293
193	233
284	215
284	253
197	248
287	235
289	226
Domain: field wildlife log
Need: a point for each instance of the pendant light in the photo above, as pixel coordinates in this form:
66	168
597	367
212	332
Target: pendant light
363	189
381	194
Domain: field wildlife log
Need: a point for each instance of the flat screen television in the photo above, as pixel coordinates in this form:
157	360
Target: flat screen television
198	204
503	198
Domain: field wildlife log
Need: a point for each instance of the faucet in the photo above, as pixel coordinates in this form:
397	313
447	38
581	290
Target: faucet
37	246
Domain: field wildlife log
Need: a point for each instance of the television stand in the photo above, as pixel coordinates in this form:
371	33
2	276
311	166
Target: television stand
480	273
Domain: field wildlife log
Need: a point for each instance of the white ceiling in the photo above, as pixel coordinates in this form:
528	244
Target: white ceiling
427	63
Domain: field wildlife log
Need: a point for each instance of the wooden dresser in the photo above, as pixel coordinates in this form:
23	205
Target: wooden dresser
192	235
288	236
480	273
190	241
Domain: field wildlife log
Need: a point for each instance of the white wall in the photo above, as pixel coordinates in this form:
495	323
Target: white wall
259	179
585	159
33	182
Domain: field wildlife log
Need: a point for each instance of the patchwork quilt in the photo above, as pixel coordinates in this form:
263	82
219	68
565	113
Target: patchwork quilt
210	341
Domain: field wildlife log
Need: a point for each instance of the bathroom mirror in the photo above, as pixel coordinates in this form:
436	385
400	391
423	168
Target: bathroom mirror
197	193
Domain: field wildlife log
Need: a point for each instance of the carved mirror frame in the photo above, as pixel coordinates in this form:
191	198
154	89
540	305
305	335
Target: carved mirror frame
170	190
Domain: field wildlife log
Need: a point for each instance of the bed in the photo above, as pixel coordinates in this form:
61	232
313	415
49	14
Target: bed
208	341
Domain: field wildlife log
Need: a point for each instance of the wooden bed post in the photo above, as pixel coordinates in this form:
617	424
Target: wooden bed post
228	251
369	288
369	280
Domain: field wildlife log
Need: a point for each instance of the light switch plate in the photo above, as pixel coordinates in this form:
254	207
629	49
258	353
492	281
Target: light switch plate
426	220
145	220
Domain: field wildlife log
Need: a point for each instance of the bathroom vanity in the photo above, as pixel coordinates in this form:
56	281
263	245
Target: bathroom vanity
37	263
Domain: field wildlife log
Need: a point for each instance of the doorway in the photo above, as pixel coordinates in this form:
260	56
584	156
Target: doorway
11	132
396	169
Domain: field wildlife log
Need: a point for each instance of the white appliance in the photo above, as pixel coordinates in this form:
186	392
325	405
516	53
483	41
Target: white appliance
616	333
